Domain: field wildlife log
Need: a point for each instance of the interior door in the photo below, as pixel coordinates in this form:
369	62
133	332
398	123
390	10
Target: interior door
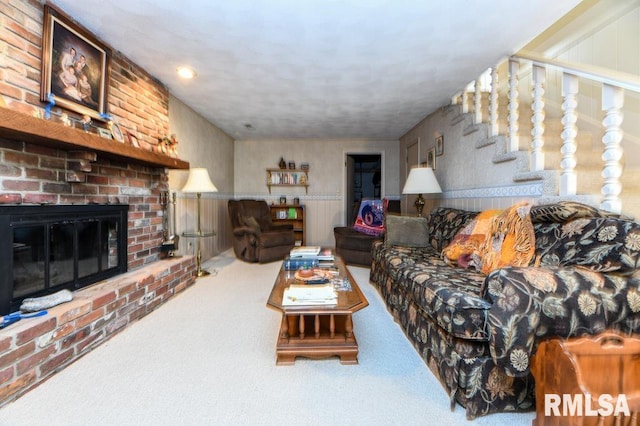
350	198
412	159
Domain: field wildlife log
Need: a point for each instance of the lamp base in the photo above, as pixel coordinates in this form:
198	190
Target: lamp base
419	204
202	273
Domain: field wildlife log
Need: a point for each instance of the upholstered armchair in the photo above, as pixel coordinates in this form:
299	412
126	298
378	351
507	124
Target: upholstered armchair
355	247
255	237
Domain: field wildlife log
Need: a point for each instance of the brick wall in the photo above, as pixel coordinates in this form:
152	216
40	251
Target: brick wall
33	349
137	101
37	174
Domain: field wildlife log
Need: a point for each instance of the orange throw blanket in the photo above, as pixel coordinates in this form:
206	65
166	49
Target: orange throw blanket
510	240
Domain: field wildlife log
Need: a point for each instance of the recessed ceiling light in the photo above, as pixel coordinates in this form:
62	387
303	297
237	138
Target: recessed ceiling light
186	72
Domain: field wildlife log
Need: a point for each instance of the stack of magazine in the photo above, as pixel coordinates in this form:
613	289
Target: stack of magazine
304	252
310	295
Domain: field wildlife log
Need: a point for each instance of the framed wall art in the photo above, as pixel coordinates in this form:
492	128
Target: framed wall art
431	158
75	66
440	145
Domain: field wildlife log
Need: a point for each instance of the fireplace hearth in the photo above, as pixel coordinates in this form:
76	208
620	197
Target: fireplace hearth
46	248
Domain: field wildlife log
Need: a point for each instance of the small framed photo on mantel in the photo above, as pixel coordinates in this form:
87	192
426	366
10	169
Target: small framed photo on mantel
105	133
133	140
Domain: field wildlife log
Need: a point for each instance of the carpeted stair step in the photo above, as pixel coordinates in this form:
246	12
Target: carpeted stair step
480	130
491	140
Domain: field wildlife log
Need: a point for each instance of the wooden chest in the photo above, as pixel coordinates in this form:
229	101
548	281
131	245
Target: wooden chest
593	380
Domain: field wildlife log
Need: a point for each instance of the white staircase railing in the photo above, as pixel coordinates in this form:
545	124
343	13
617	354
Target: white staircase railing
614	85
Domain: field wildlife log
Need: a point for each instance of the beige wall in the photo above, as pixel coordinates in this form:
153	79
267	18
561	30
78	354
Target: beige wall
468	177
606	35
325	198
615	44
203	145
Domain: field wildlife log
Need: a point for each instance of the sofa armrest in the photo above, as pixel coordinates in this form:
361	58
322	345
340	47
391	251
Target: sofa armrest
531	304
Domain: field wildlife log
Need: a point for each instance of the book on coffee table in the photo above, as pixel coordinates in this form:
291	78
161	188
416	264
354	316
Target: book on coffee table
304	251
309	295
325	254
292	264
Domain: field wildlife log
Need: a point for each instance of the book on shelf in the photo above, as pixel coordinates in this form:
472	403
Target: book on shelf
309	295
304	251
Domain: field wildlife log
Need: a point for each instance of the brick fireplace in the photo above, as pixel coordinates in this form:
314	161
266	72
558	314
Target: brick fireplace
36	171
43	162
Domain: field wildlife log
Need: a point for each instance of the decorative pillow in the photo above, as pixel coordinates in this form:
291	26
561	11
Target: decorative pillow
600	243
407	231
370	219
469	239
251	222
510	241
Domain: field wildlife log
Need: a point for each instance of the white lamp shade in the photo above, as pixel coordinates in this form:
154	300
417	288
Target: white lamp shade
199	181
421	180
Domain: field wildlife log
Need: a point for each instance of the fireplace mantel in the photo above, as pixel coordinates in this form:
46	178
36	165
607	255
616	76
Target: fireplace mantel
19	126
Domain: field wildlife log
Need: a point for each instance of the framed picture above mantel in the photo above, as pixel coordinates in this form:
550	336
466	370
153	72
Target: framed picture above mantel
75	66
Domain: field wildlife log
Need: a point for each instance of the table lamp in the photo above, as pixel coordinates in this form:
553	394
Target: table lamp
421	180
199	182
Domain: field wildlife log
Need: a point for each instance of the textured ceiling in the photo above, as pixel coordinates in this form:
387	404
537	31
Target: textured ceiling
316	68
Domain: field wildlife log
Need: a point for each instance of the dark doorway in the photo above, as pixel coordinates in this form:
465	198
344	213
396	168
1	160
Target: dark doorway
364	180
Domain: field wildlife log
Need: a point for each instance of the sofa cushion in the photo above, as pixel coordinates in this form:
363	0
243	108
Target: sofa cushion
451	296
407	231
598	243
444	224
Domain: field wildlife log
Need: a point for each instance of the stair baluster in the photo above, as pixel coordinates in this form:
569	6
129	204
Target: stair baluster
493	104
465	101
568	179
477	103
537	118
612	103
514	139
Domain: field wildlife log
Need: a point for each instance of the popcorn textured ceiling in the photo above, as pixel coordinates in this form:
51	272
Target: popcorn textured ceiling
316	68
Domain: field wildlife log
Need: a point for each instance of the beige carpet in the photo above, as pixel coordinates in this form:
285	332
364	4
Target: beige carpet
208	358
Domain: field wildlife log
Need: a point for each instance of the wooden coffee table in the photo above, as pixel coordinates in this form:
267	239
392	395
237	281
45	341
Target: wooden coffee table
317	331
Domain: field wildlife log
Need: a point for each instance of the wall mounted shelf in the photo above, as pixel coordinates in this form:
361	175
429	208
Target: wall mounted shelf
22	127
288	177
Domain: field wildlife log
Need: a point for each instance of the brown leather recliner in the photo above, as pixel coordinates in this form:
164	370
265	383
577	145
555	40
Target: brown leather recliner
255	237
355	247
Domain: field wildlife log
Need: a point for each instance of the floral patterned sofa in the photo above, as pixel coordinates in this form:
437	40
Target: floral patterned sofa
477	332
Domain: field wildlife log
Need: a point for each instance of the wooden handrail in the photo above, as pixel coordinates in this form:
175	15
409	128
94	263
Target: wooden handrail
614	78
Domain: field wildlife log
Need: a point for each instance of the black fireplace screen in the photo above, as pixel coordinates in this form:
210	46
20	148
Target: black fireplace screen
48	248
